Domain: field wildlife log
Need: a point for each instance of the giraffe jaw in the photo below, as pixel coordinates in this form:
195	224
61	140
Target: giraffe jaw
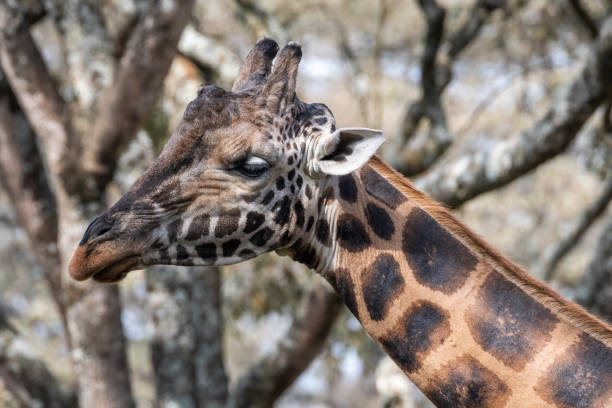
116	271
105	262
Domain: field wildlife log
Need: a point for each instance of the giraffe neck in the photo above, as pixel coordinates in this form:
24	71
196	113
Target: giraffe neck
466	325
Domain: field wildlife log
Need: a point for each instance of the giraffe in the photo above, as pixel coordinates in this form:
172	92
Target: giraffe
256	170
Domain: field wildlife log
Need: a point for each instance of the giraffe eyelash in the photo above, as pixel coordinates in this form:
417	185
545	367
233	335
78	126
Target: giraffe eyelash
253	167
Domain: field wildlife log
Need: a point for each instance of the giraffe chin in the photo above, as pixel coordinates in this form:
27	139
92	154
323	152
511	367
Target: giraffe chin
116	271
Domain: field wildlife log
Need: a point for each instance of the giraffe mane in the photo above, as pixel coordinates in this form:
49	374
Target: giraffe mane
571	312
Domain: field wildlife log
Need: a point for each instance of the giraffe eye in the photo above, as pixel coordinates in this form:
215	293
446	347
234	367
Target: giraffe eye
254	167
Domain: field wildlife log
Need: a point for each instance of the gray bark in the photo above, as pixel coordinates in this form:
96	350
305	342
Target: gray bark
422	150
93	311
23	177
466	177
553	255
25	376
267	379
186	350
136	86
596	288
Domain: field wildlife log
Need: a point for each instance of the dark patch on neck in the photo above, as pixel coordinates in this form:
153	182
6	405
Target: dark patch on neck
262	236
380	188
310	223
206	251
347	188
304	253
342	282
465	382
352	235
437	259
382	282
230	247
280	183
227	223
181	253
299	214
253	220
199	226
164	257
579	378
380	221
508	323
246	254
268	198
282	208
322	232
422	328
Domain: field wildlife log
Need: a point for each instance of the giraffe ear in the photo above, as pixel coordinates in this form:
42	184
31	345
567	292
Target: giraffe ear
346	150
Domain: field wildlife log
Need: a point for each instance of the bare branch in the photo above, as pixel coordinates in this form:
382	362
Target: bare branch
471	28
266	380
186	349
596	286
36	93
23	177
554	255
607	118
584	16
434	15
469	176
436	71
25	377
138	81
90	49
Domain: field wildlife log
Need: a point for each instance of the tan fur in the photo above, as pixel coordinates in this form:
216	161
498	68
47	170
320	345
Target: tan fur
568	311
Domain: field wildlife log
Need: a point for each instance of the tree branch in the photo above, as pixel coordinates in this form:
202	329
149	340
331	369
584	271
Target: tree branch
137	84
585	18
23	177
469	176
25	377
266	380
186	350
36	93
436	72
553	255
596	287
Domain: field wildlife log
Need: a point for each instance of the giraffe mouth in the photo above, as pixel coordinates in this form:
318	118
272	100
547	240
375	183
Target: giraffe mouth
116	271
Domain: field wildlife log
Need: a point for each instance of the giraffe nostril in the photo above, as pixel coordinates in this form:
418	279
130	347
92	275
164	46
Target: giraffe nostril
98	227
102	231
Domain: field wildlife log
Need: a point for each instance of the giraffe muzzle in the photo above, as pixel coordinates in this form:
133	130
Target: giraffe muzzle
101	254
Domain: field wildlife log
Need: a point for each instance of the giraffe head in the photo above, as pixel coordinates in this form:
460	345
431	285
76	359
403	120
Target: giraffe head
244	173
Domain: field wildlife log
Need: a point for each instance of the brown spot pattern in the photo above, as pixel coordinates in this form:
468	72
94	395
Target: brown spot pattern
508	323
342	282
381	283
380	188
465	382
437	259
422	328
581	377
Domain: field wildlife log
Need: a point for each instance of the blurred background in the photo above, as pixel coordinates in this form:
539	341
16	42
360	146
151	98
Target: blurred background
499	109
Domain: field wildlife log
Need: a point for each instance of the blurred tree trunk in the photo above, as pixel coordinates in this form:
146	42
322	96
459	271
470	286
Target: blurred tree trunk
93	311
266	380
25	377
468	176
596	292
186	350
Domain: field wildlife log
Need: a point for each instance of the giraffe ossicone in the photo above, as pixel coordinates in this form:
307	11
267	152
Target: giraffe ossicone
255	170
